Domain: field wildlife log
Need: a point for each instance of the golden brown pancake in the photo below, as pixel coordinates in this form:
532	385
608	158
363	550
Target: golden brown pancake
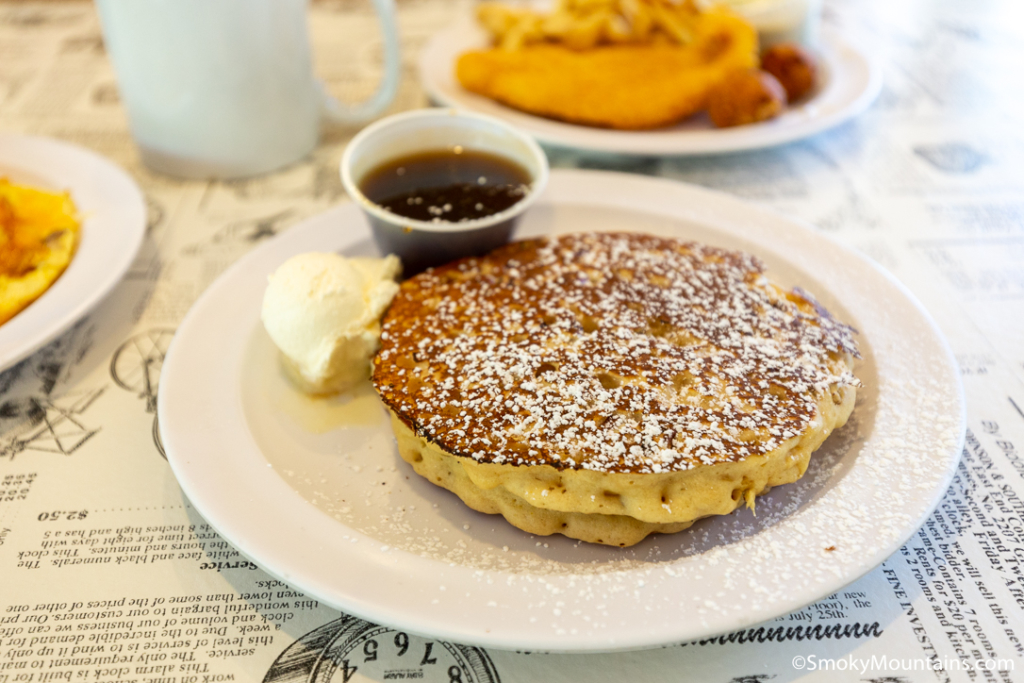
608	386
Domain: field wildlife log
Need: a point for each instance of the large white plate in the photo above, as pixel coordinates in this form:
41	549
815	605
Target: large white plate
850	81
315	493
113	225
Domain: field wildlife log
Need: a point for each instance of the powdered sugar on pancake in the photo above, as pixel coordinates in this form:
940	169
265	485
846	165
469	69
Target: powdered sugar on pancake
609	352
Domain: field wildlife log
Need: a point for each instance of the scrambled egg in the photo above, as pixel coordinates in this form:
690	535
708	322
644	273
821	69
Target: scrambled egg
38	237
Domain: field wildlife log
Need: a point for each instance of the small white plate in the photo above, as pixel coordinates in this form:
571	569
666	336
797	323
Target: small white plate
850	82
113	215
314	492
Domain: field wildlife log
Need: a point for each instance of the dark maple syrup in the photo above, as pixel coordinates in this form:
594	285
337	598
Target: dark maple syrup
447	186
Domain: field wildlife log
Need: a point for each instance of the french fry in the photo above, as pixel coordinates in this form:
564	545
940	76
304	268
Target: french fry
584	6
583	34
558	24
618	30
496	18
642	21
583	24
671	23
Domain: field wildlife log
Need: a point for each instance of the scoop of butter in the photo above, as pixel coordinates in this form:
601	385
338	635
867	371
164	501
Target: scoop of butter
323	312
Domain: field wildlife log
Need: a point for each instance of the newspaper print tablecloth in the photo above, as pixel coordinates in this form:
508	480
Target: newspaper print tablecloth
928	183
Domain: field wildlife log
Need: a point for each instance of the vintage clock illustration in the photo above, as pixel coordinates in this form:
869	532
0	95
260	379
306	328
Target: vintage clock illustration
350	650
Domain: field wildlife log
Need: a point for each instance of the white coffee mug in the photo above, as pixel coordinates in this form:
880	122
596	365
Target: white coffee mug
225	88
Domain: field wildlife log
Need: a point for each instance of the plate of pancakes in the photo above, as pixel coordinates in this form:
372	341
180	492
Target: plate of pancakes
317	492
848	81
109	222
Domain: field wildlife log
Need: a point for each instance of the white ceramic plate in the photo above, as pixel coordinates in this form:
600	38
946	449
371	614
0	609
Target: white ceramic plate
113	224
315	493
850	81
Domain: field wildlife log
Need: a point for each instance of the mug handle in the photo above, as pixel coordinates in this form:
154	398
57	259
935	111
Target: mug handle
342	113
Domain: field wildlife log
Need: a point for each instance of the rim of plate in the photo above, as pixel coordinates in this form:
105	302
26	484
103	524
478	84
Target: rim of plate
229	481
853	81
113	214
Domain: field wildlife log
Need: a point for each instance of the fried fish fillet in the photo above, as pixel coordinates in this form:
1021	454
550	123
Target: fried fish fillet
628	87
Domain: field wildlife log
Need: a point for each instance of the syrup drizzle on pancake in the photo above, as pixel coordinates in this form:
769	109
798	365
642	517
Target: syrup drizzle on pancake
608	352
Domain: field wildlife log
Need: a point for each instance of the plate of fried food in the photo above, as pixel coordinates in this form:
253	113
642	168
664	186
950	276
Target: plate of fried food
646	77
560	445
71	223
